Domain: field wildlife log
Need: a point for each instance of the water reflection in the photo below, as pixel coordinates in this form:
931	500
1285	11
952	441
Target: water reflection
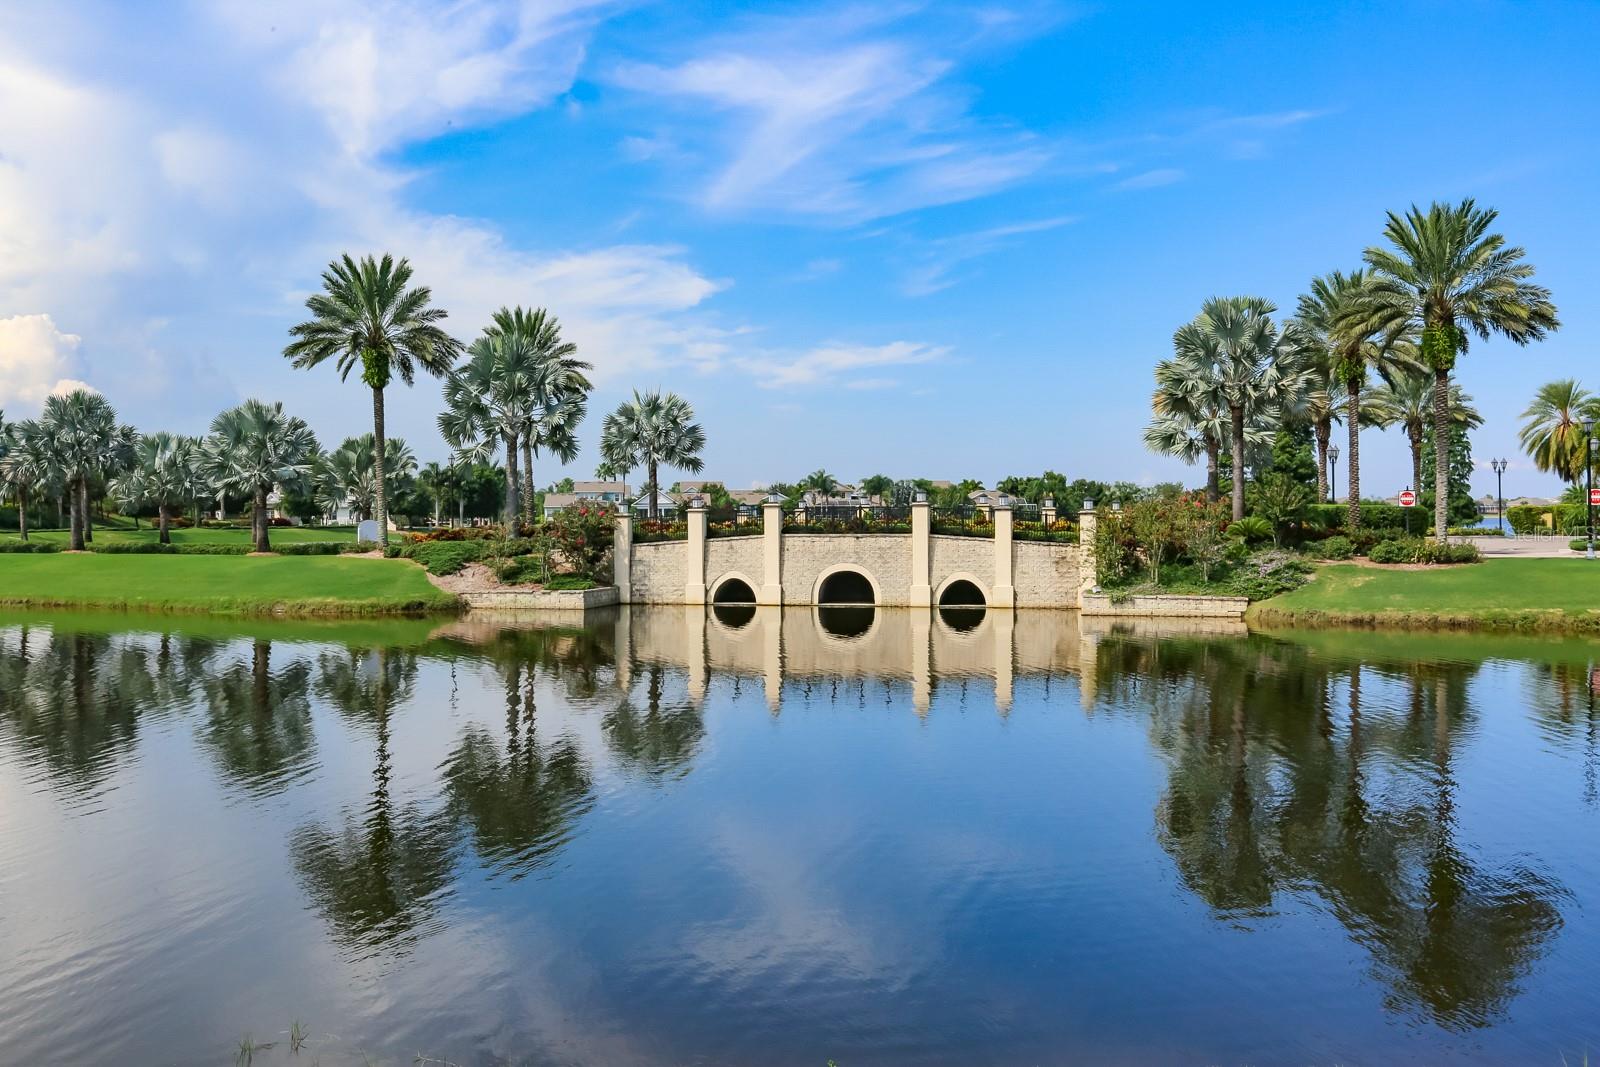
1369	782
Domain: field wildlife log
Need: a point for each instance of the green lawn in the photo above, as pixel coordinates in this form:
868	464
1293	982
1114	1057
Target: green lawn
236	585
1520	594
202	535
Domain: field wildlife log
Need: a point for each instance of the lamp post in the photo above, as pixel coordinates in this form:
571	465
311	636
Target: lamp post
1499	468
1588	471
1333	474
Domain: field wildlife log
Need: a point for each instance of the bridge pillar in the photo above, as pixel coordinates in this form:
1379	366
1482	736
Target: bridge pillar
1088	525
694	588
921	595
771	591
1005	593
622	557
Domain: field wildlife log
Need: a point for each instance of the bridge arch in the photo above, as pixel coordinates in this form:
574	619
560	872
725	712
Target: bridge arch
733	588
846	583
961	589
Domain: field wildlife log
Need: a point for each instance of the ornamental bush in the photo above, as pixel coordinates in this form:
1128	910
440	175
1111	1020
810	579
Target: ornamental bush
581	535
1336	547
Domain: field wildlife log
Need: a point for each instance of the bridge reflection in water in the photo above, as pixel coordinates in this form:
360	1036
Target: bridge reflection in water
914	646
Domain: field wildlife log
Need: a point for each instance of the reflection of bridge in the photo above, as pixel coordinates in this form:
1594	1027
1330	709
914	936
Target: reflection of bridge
915	569
915	646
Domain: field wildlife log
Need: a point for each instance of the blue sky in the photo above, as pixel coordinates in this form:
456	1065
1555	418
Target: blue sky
936	240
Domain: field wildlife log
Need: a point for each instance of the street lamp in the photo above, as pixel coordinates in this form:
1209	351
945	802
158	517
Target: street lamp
1499	468
1588	470
1333	475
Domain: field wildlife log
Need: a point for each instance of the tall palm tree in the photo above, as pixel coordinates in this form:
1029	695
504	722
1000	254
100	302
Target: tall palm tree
1553	433
434	480
1349	348
253	448
29	467
1408	403
652	429
1444	277
1251	364
81	430
488	406
820	481
161	474
366	314
558	390
1191	419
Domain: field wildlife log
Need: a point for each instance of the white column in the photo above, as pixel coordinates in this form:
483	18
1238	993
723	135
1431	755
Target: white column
1088	524
1005	594
622	557
771	591
694	587
921	555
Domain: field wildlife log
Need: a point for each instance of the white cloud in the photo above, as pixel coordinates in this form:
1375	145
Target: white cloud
940	257
835	362
835	118
35	360
1152	179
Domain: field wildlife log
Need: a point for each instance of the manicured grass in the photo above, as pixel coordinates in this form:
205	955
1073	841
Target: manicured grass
234	585
1513	594
201	535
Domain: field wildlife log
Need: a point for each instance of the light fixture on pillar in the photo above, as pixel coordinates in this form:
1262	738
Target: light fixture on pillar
1088	505
1116	505
922	496
1050	502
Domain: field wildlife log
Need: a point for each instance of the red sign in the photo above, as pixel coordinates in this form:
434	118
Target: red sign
1408	499
1594	496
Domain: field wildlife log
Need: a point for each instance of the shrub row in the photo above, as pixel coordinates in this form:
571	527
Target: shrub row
1420	550
1333	516
14	545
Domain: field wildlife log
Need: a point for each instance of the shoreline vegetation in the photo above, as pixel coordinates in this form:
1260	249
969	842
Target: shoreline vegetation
1516	595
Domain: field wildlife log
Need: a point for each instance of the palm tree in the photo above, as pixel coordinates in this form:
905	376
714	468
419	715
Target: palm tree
821	481
488	406
1348	347
161	473
434	480
253	448
652	429
1191	419
1553	433
1408	403
558	390
80	429
1250	364
1446	277
366	314
349	474
29	466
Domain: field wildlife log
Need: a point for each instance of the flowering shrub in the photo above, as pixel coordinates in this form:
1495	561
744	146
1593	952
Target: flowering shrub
582	537
459	533
648	530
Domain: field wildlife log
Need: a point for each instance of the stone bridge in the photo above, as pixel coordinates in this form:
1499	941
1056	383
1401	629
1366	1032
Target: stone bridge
916	569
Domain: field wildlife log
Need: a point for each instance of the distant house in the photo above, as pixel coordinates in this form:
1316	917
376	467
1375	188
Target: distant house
667	506
611	493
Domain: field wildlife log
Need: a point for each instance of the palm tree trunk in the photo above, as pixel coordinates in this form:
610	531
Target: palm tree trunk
527	480
379	497
654	512
1353	477
1441	452
1323	430
511	481
76	536
1414	432
263	544
1213	448
22	512
165	521
83	512
1237	412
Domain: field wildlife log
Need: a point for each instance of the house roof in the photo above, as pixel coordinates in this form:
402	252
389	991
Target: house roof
559	500
696	487
620	488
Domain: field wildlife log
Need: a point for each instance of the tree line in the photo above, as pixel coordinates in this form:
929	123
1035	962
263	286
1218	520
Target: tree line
1238	378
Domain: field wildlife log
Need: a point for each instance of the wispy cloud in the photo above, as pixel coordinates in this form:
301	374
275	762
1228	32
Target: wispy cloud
1152	179
938	259
844	117
835	363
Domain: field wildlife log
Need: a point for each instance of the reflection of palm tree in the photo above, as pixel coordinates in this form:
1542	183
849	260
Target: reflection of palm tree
1264	799
661	742
259	721
520	807
376	878
74	700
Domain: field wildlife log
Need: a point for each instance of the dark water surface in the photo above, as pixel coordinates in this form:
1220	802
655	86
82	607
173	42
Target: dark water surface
680	839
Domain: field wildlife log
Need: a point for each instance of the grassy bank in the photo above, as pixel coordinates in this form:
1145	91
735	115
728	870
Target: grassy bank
289	535
1557	595
228	585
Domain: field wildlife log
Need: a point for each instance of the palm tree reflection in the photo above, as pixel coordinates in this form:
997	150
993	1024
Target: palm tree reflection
258	720
660	742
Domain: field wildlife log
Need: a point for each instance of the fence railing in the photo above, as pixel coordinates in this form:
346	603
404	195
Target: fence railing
966	520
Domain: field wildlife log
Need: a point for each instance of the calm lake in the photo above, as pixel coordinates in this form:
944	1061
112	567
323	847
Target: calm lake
774	837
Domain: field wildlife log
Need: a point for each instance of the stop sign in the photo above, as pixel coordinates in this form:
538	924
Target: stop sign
1408	499
1594	496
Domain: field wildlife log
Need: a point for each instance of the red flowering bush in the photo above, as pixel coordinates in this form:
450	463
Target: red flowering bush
582	536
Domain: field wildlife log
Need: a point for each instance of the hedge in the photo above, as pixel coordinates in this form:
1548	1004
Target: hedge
1332	516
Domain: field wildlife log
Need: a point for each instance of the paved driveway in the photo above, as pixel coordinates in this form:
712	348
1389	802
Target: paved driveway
1526	547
